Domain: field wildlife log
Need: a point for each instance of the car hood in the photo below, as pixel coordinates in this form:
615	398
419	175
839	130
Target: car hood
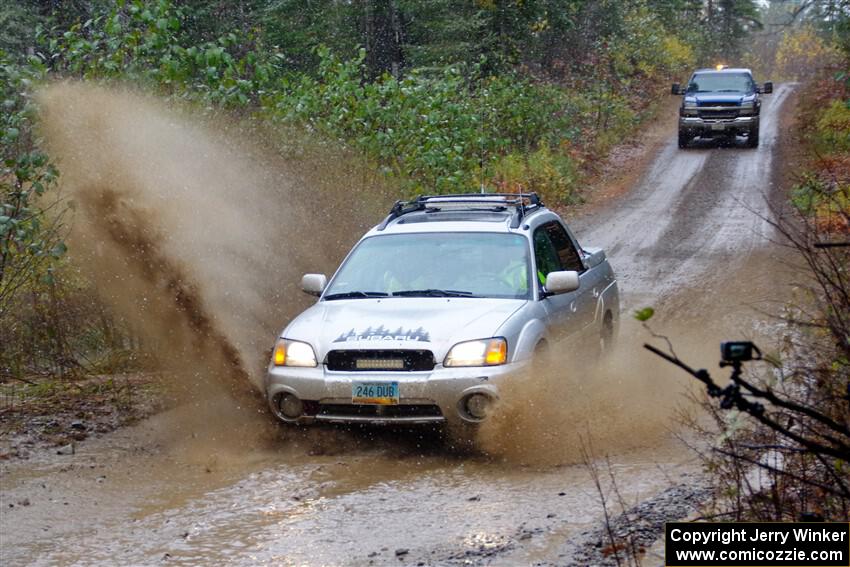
429	323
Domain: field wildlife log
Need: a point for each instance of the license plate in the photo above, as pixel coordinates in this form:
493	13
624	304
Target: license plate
380	393
718	126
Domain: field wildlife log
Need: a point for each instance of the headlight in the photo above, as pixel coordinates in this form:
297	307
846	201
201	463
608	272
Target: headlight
293	353
484	352
689	108
747	107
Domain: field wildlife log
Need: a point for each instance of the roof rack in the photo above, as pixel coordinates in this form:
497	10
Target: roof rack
524	203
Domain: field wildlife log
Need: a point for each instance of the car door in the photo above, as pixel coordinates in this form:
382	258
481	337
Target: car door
584	309
560	309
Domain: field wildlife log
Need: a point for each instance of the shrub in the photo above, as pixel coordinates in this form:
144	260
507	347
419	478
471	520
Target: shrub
802	53
551	173
833	128
145	42
434	131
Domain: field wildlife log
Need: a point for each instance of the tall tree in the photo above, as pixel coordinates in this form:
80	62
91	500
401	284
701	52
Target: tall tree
382	36
728	22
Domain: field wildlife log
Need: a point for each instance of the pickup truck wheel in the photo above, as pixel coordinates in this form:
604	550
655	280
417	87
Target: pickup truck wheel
753	137
684	139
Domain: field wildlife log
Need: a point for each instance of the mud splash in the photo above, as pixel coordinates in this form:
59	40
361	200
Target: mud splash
197	238
194	235
565	410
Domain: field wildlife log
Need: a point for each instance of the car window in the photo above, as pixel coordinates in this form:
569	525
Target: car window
545	254
477	264
568	256
721	82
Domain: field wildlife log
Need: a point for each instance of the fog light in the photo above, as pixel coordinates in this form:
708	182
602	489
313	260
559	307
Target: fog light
478	405
291	406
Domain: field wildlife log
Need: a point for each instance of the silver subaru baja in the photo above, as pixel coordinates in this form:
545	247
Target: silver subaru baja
436	307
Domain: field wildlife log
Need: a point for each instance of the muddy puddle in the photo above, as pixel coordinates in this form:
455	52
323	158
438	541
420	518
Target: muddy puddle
328	497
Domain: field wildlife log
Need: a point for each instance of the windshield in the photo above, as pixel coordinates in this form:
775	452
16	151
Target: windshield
454	264
721	83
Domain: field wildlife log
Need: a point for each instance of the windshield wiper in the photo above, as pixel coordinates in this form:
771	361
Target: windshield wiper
432	293
356	294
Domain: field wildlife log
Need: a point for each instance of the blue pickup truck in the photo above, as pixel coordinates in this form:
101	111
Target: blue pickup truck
720	102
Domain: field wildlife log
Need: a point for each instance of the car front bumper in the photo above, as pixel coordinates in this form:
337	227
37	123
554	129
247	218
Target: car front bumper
434	397
697	126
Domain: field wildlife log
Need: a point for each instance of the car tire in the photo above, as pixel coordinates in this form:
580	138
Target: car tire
753	136
684	139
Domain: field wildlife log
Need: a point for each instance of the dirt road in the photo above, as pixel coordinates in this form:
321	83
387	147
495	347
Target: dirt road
212	484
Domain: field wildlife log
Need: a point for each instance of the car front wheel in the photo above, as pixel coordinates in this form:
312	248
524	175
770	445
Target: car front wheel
753	136
684	138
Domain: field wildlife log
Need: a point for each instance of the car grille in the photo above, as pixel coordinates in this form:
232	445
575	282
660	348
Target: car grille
717	115
718	110
380	360
385	412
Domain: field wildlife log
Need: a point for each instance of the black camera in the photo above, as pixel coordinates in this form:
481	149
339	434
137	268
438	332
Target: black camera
737	351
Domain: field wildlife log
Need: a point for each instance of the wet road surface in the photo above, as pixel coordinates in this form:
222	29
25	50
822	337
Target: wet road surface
185	487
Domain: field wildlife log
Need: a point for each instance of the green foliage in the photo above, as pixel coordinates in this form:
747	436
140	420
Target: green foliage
802	53
824	194
644	48
145	42
727	24
645	314
296	28
819	196
446	128
549	172
17	22
808	194
434	131
832	18
29	239
833	127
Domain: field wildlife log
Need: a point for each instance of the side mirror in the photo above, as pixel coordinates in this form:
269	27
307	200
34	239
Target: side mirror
561	282
676	89
314	284
594	257
768	87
